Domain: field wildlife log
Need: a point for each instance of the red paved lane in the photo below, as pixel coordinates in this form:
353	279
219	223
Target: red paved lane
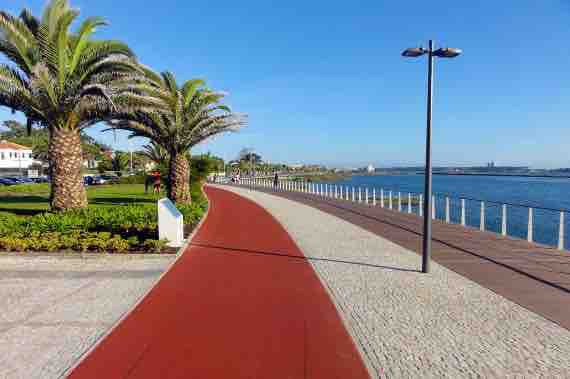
240	303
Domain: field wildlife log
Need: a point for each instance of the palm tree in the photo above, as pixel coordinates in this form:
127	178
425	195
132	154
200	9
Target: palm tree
64	82
155	153
181	118
120	161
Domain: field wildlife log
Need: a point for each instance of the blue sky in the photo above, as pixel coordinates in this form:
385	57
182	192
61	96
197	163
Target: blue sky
324	82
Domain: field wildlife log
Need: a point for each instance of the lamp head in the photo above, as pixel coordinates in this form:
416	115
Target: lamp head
414	52
447	52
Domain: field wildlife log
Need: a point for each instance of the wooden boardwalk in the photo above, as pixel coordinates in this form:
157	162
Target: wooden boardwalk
534	276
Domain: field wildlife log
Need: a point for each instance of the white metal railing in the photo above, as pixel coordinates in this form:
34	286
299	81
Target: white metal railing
414	205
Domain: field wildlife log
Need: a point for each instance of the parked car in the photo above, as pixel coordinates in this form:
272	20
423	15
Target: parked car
7	182
41	179
105	179
16	180
27	180
88	180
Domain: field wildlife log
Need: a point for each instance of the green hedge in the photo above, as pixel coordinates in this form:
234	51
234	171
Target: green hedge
116	229
78	241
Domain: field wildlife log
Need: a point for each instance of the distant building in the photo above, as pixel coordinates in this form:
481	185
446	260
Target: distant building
91	163
370	169
15	157
149	166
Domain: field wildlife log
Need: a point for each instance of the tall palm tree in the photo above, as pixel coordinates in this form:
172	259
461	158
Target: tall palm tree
181	118
64	82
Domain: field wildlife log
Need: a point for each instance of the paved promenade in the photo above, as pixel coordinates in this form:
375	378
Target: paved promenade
54	307
407	324
242	302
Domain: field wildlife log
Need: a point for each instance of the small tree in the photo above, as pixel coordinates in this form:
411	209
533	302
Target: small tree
180	118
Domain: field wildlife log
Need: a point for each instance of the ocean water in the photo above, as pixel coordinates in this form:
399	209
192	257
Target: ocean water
547	196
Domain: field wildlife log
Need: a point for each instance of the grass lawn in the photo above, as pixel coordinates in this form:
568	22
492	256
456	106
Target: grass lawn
32	199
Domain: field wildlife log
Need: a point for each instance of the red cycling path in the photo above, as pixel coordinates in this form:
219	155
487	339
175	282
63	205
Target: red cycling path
241	302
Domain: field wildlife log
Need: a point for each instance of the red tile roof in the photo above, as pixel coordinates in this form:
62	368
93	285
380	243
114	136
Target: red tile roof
12	146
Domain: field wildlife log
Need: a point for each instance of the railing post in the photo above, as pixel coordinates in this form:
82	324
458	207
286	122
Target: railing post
504	220
381	197
463	212
447	215
421	205
561	232
390	200
482	217
374	197
366	195
409	202
360	194
326	190
399	201
433	213
529	233
353	195
335	191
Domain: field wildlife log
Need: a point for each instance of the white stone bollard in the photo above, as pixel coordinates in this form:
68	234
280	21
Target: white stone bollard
482	217
561	232
529	233
170	223
409	202
353	195
366	196
504	220
447	215
399	201
359	195
373	197
421	206
390	200
463	212
433	211
381	197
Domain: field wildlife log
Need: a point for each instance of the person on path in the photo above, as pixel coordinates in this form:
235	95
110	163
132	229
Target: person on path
275	180
157	183
148	181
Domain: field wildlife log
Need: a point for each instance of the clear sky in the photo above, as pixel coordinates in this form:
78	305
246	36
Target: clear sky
324	82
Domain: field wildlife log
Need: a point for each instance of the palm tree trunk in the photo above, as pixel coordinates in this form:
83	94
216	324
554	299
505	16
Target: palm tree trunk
179	178
66	158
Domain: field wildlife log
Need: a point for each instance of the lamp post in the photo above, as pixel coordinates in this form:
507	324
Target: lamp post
440	53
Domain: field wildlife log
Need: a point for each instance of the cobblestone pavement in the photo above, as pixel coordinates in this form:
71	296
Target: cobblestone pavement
52	308
410	325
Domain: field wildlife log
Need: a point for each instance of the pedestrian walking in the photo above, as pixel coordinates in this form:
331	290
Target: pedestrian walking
148	181
275	180
157	183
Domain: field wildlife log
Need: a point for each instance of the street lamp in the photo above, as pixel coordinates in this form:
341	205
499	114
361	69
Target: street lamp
440	53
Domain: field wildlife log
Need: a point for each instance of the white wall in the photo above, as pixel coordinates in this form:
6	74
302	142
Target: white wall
10	158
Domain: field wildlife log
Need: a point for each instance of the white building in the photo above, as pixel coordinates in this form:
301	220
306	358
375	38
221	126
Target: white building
14	156
370	169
